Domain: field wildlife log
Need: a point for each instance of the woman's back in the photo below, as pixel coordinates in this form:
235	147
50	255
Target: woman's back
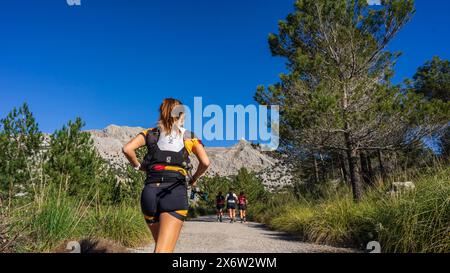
168	151
242	200
173	141
164	202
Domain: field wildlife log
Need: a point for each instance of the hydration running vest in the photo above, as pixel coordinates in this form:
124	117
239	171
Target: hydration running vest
220	200
242	200
159	161
230	198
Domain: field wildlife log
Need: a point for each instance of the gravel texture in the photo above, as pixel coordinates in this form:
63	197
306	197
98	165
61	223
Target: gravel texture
206	235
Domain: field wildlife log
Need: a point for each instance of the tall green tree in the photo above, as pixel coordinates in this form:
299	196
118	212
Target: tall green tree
337	94
74	165
250	184
20	142
433	81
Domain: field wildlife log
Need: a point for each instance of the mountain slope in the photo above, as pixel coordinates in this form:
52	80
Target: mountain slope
225	161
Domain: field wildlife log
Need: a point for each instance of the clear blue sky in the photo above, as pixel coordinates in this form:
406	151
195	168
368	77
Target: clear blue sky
112	62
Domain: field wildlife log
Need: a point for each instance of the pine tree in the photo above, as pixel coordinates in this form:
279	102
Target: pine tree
337	95
20	142
74	165
433	81
251	185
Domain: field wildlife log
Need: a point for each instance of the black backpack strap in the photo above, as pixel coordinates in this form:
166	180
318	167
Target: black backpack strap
151	136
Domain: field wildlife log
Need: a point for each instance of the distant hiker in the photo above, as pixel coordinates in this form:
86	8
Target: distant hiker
242	204
196	191
231	199
164	200
220	205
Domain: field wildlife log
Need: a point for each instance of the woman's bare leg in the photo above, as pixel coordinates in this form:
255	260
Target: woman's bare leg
169	231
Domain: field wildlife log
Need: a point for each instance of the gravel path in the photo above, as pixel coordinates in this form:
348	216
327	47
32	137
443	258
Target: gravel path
206	235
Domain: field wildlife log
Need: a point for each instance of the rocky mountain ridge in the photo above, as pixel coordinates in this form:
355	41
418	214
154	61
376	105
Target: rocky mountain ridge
225	161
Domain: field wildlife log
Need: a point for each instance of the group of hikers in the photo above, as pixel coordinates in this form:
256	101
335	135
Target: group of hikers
232	202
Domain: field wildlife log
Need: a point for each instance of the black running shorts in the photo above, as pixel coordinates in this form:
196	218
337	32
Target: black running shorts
157	198
242	207
231	206
220	207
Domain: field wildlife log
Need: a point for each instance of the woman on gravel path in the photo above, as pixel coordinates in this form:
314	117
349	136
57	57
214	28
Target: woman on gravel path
164	199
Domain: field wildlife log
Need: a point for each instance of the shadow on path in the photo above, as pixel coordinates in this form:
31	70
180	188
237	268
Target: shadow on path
263	229
204	219
280	235
202	234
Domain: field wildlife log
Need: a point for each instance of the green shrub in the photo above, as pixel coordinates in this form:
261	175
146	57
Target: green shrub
20	141
415	221
73	164
123	224
244	181
54	217
68	192
418	221
49	220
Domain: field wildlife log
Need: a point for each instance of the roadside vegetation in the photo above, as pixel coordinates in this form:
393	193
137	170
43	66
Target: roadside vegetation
346	129
414	220
353	137
57	188
351	132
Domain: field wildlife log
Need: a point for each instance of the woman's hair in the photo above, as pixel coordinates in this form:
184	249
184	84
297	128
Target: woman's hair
220	193
242	193
167	115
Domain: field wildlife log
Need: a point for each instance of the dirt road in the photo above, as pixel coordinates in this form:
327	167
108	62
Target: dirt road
206	235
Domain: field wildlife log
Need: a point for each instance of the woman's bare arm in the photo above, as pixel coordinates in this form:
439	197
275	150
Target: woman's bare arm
129	149
203	165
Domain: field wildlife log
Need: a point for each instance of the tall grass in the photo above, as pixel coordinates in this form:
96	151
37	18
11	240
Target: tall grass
54	217
122	224
420	220
415	221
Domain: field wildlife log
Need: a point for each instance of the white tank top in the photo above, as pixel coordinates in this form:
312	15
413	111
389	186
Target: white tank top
173	142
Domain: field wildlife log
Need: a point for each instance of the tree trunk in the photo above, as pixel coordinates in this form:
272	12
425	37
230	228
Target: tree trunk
322	169
343	168
333	174
316	169
10	193
369	168
352	155
364	168
381	166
